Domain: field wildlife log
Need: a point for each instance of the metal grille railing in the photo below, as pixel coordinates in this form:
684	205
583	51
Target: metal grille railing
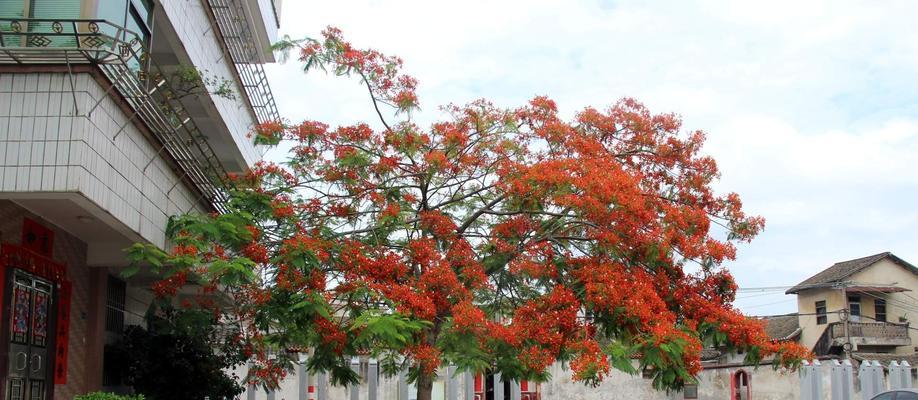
115	300
123	59
240	44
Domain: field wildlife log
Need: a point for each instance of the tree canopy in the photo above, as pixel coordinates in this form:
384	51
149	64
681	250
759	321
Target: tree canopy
500	239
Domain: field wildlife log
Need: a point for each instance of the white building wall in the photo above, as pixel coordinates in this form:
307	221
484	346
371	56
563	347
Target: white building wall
189	18
48	145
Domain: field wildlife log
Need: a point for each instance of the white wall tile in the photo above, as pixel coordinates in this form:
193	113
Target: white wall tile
39	130
27	128
60	179
18	84
47	179
35	174
6	83
22	178
15	129
9	179
38	153
12	153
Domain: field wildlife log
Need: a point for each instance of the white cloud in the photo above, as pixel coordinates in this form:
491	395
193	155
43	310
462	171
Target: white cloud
811	107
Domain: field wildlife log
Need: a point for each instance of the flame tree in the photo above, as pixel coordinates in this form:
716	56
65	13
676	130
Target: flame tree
497	239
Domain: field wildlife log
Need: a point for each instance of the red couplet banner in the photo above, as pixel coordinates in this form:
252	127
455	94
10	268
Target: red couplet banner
61	345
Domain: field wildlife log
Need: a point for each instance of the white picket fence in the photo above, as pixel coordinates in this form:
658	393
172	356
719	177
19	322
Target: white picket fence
374	386
870	379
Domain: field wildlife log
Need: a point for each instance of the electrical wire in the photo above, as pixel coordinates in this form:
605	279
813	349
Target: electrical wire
896	302
769	304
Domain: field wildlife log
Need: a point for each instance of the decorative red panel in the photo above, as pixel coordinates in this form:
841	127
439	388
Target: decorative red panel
37	237
40	318
61	346
2	283
12	256
21	302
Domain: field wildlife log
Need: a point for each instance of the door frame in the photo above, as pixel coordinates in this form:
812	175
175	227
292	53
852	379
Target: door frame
8	273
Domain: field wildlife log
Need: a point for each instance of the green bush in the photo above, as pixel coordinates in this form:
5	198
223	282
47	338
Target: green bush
108	396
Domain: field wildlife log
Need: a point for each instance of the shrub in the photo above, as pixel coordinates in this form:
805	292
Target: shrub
108	396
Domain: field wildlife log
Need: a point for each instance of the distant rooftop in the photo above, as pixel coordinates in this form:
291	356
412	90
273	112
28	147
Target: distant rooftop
782	327
840	271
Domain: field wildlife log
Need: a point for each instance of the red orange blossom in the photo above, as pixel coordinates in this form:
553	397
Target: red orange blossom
503	239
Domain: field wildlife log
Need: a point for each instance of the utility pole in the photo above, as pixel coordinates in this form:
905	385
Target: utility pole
845	316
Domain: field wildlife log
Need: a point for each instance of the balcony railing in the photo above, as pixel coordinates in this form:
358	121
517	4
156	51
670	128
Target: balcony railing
870	329
871	333
122	58
239	42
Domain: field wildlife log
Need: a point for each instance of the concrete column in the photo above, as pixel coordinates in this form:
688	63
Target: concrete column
95	325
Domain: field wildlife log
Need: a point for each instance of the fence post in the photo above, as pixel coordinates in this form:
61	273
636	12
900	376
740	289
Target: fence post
302	378
403	385
372	379
452	384
498	387
842	383
250	389
322	386
355	389
811	381
515	390
469	385
906	374
895	375
863	375
879	377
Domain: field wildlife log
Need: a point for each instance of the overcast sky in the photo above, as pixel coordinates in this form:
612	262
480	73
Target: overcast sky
811	107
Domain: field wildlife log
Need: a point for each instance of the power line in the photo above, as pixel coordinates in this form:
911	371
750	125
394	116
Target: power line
759	295
763	289
896	302
769	304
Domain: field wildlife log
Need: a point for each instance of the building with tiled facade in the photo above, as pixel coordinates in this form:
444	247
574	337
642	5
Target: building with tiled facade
102	137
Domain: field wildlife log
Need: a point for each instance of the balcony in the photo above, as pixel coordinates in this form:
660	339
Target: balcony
242	47
870	334
120	56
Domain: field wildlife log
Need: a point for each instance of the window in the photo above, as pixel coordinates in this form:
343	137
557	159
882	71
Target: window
690	392
114	305
821	317
903	395
854	307
880	310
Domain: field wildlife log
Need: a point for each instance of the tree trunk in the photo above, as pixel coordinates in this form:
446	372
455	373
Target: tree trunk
425	386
